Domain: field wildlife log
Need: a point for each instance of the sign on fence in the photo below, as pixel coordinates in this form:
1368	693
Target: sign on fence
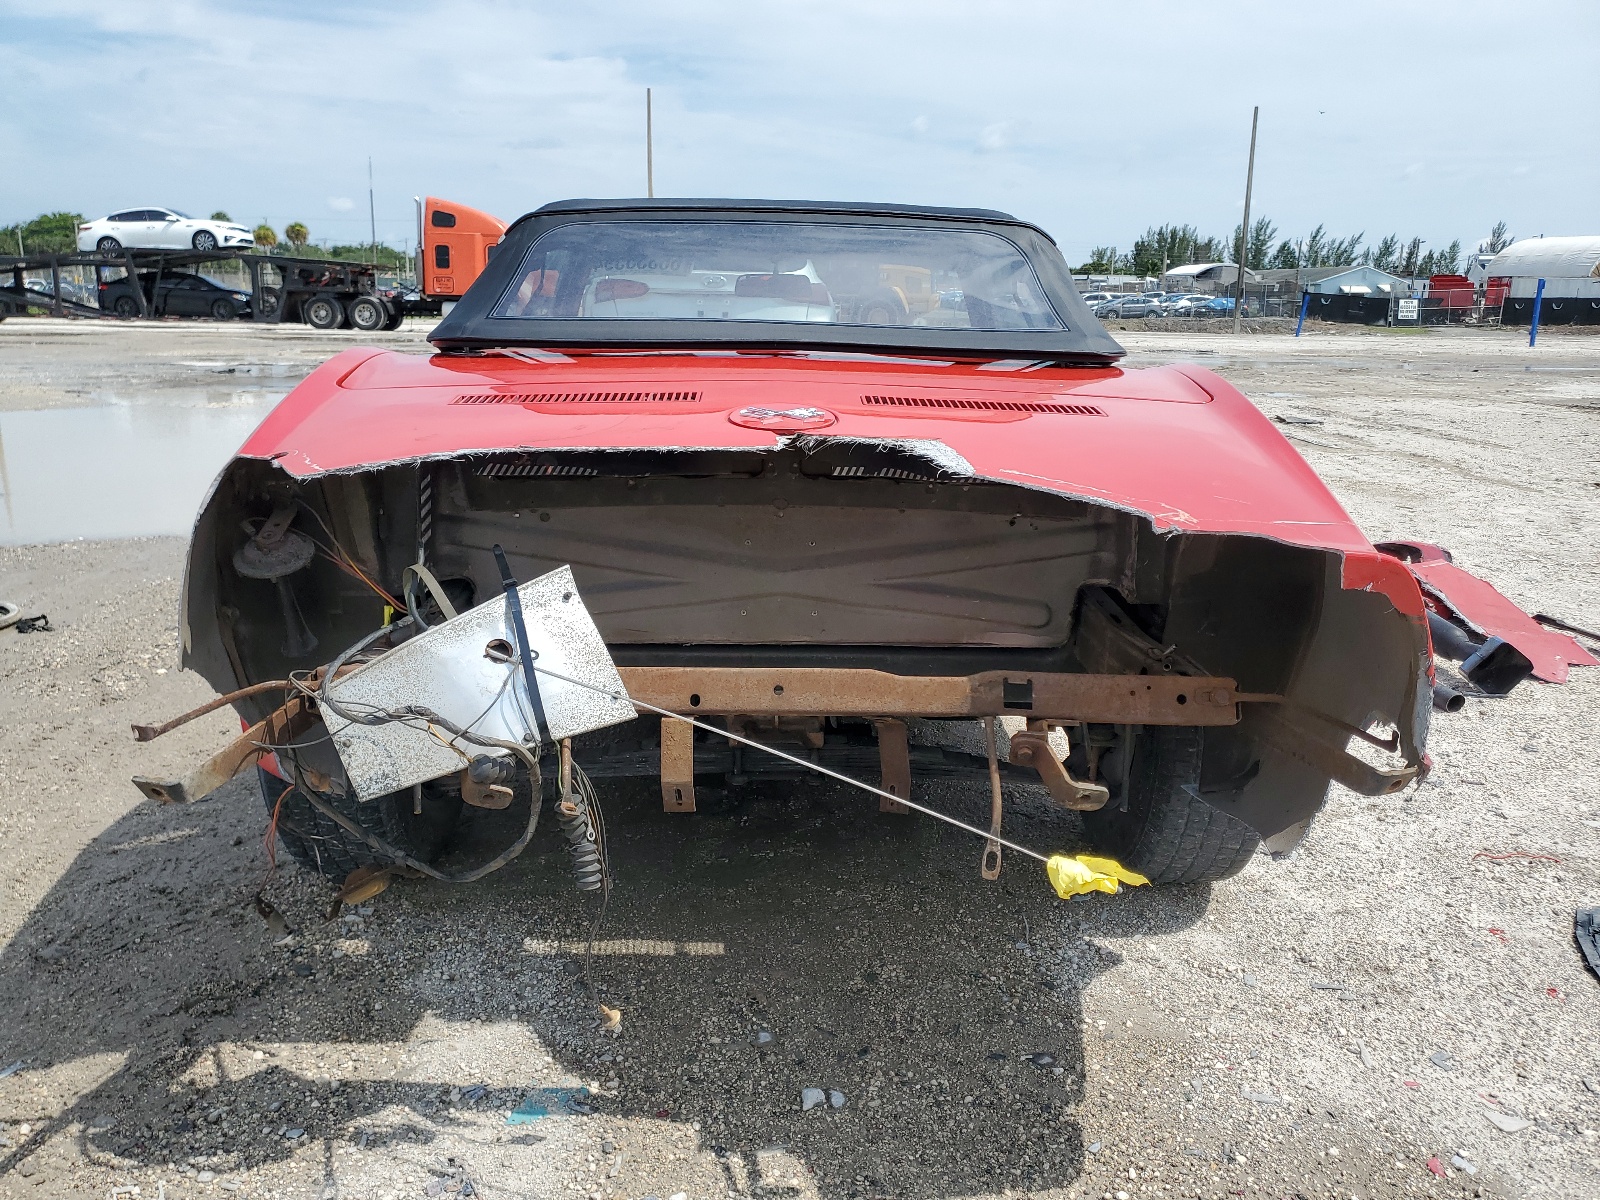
1408	310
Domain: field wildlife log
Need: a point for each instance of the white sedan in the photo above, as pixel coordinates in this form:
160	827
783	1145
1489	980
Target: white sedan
159	229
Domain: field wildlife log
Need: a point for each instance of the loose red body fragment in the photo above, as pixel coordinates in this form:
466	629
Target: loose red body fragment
1482	607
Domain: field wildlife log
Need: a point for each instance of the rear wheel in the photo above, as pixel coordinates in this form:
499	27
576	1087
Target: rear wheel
319	843
1166	832
125	306
882	308
108	246
322	312
366	313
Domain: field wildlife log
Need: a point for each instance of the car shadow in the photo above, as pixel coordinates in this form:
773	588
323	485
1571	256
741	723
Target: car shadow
780	939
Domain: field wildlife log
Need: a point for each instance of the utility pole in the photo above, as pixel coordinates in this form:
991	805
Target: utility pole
649	147
372	212
1244	229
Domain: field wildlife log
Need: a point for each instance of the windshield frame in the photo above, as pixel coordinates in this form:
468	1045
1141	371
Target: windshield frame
472	324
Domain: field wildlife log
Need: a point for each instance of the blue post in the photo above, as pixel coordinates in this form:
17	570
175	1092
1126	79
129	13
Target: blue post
1305	303
1538	300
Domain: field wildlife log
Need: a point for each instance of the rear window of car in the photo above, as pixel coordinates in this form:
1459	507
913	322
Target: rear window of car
779	271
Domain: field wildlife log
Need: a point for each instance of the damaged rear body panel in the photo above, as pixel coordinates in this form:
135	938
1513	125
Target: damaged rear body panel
881	546
856	550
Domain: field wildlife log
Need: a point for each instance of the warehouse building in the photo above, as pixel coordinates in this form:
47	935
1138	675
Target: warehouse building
1570	268
1213	278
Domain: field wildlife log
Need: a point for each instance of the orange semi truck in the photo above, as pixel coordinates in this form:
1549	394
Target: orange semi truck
455	244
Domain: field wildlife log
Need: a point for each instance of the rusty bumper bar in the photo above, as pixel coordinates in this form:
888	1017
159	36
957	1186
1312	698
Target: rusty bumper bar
279	728
850	692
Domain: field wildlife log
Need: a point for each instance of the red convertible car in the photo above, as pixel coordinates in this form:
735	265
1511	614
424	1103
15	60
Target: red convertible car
849	480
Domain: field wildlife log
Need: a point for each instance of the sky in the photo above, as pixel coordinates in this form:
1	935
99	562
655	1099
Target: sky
1093	120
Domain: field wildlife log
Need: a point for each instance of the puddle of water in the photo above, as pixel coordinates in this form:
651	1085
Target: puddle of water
118	470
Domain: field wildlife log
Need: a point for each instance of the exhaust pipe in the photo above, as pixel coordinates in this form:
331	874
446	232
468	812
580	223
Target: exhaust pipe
1447	699
1493	665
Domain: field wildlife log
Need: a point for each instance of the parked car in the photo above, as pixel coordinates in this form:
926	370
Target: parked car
881	547
1135	305
179	294
159	229
1183	304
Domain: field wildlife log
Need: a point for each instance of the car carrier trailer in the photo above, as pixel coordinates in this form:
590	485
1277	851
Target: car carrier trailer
455	243
323	293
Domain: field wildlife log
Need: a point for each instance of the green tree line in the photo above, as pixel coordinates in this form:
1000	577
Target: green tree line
1166	246
48	233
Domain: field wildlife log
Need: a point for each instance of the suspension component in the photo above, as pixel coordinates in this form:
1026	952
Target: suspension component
577	823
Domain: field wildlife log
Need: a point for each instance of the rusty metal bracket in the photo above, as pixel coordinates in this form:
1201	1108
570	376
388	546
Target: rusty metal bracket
677	766
1031	748
1319	741
894	763
278	728
494	796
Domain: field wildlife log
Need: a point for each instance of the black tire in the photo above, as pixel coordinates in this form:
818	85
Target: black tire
125	306
271	300
397	318
318	843
322	312
108	246
223	310
204	241
366	313
1167	833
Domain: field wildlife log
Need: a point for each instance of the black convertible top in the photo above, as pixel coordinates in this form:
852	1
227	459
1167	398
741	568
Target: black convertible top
778	206
485	317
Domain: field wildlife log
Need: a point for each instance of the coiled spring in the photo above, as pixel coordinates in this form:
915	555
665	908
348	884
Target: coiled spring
578	812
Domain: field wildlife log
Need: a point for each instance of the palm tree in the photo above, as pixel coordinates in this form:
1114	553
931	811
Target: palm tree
297	234
265	237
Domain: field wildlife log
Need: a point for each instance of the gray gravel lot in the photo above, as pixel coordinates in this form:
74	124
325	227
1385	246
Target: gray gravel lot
1321	1026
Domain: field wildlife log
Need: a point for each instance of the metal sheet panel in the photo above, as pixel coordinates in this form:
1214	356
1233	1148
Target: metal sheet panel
450	670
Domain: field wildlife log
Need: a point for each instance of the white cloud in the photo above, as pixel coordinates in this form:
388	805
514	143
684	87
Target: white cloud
341	203
936	101
995	137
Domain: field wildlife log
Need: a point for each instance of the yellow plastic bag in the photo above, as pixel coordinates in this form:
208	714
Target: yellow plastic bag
1089	873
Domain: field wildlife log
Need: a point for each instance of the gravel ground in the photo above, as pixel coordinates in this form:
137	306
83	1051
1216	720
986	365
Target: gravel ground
1320	1026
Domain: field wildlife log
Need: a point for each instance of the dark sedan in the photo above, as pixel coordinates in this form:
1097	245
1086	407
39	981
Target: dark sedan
176	295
